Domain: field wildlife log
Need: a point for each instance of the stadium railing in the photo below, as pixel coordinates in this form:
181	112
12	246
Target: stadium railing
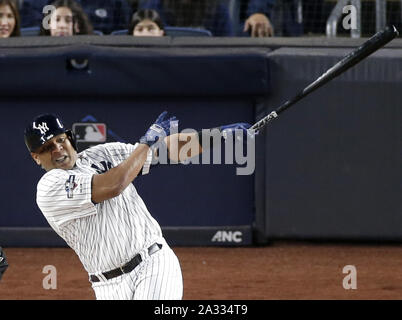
175	32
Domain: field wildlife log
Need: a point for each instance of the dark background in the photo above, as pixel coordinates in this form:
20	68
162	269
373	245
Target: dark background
328	168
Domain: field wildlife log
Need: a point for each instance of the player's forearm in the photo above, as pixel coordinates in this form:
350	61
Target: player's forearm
183	146
112	183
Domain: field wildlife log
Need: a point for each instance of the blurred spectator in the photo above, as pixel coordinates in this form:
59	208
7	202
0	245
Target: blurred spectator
105	15
263	16
146	23
9	19
66	19
212	15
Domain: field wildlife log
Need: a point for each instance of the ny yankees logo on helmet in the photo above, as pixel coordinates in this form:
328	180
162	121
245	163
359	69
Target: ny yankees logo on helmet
43	128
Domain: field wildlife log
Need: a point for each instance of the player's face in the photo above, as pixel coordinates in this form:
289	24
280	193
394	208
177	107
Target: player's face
57	153
7	21
147	28
61	22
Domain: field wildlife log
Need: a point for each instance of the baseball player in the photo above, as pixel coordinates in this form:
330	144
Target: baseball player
3	262
89	200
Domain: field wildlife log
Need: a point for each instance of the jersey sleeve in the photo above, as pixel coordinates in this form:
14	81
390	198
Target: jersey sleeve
117	152
65	195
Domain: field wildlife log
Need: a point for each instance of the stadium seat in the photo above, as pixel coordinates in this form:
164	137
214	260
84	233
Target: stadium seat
175	32
119	32
187	32
105	15
30	31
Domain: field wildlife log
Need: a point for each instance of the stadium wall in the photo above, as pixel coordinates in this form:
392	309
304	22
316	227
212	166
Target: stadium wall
329	168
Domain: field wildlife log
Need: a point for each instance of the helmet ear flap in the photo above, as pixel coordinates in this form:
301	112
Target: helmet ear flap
72	138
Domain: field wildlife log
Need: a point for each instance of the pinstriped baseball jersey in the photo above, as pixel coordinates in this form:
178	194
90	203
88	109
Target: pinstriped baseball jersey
106	235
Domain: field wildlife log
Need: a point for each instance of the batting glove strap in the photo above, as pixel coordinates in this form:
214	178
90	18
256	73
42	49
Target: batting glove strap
227	130
160	129
154	133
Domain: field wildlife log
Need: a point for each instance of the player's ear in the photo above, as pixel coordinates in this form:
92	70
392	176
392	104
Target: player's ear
35	156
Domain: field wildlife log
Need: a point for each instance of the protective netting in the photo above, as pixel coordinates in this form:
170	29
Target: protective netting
227	17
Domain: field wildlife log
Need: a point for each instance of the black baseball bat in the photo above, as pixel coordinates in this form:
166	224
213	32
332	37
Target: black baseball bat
377	41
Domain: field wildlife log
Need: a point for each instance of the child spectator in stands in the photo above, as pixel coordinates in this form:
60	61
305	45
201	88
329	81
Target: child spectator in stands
146	23
67	19
105	15
212	15
9	19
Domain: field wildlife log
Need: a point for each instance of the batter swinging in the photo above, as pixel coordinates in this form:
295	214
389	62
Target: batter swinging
89	200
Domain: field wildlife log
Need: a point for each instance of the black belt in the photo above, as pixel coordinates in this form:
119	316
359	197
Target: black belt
128	267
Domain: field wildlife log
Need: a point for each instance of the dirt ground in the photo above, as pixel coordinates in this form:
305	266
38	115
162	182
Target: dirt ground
278	271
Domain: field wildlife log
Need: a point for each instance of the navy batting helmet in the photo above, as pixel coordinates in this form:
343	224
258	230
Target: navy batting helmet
43	128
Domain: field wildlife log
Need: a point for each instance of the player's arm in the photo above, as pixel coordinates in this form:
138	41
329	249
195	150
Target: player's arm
113	182
183	146
177	142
